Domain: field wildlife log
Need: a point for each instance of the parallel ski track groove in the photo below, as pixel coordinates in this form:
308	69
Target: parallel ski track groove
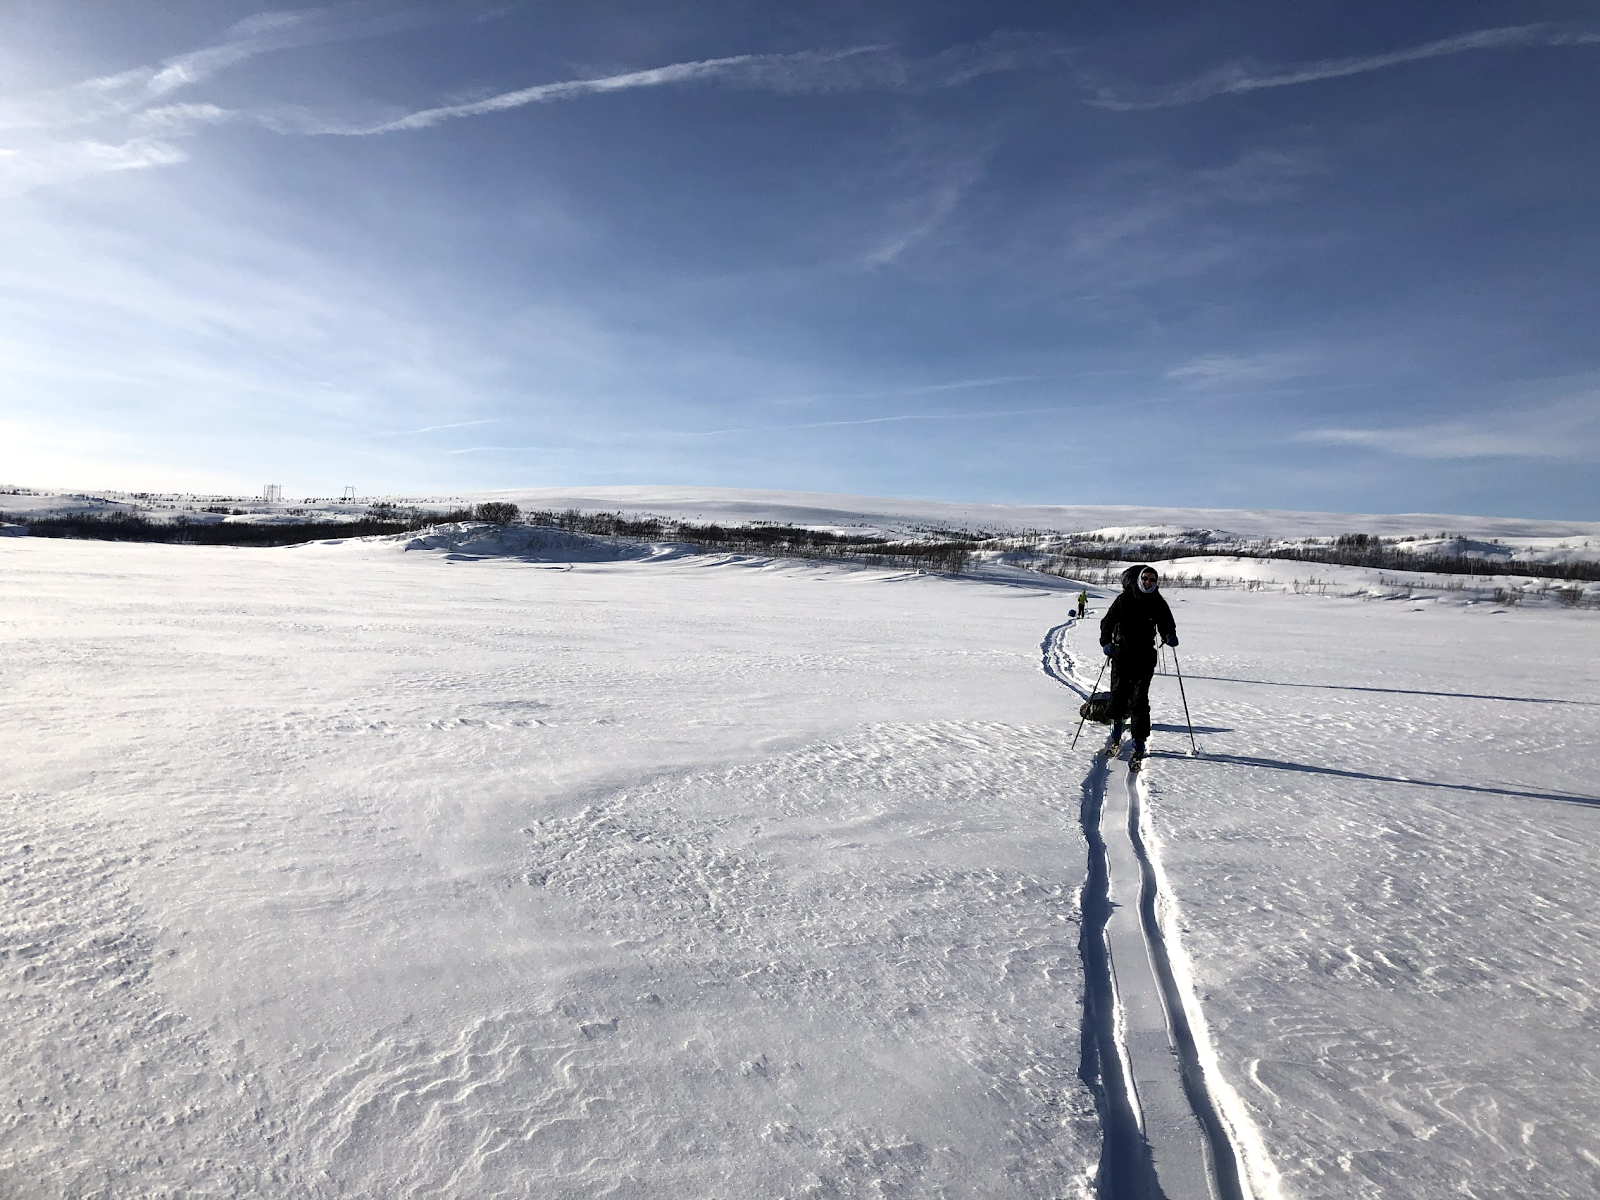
1056	661
1223	1158
1127	1171
1126	1167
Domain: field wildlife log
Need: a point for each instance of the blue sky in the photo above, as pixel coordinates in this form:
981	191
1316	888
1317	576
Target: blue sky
1333	256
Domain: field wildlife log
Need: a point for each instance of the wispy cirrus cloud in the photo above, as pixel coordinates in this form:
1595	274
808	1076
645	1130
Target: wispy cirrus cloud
854	68
135	90
139	118
1567	428
940	206
924	389
891	419
128	120
132	119
22	170
436	428
899	393
1238	78
1218	371
806	71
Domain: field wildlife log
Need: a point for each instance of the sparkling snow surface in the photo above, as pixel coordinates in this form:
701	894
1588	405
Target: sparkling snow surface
338	871
342	871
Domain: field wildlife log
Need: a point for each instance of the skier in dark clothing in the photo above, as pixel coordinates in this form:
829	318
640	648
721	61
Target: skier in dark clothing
1128	636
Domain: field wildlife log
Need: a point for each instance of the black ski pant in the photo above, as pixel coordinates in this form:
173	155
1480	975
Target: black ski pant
1130	690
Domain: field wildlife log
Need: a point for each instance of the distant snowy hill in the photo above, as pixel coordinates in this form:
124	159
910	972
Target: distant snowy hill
824	509
821	508
1195	530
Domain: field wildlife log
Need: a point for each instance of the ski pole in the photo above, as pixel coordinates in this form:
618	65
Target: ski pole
1185	699
1084	716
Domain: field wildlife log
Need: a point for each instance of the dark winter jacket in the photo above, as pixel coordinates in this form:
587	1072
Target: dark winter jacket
1134	618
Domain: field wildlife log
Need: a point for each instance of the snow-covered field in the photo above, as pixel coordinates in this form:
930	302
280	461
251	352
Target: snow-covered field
340	871
346	870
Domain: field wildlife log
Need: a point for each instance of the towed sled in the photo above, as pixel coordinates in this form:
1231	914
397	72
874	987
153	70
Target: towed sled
1097	708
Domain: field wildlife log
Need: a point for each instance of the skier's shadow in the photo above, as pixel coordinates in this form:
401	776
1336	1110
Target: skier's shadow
1245	760
1156	725
1351	687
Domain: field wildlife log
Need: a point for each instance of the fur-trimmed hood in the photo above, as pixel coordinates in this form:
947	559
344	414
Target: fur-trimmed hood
1130	579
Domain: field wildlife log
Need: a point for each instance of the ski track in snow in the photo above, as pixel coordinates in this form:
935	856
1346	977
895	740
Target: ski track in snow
1163	1134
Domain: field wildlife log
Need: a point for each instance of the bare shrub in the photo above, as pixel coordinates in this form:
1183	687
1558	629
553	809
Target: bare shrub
497	512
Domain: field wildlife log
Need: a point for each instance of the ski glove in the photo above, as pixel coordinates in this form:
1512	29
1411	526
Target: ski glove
1109	649
1171	639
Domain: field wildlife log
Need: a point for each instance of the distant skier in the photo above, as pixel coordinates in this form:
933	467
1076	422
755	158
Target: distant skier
1128	634
1083	605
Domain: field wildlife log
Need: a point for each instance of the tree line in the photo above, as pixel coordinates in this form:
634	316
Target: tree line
135	527
952	553
1349	550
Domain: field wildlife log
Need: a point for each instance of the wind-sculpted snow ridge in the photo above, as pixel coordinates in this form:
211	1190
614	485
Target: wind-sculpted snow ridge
1170	1124
733	944
936	947
77	955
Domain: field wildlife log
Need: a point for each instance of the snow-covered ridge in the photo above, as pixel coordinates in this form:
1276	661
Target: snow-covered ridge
893	516
1055	539
817	509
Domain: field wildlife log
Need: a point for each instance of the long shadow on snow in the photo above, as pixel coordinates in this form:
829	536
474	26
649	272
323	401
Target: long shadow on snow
1244	760
1350	687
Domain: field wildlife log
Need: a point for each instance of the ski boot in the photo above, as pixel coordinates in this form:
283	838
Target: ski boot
1113	743
1136	759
